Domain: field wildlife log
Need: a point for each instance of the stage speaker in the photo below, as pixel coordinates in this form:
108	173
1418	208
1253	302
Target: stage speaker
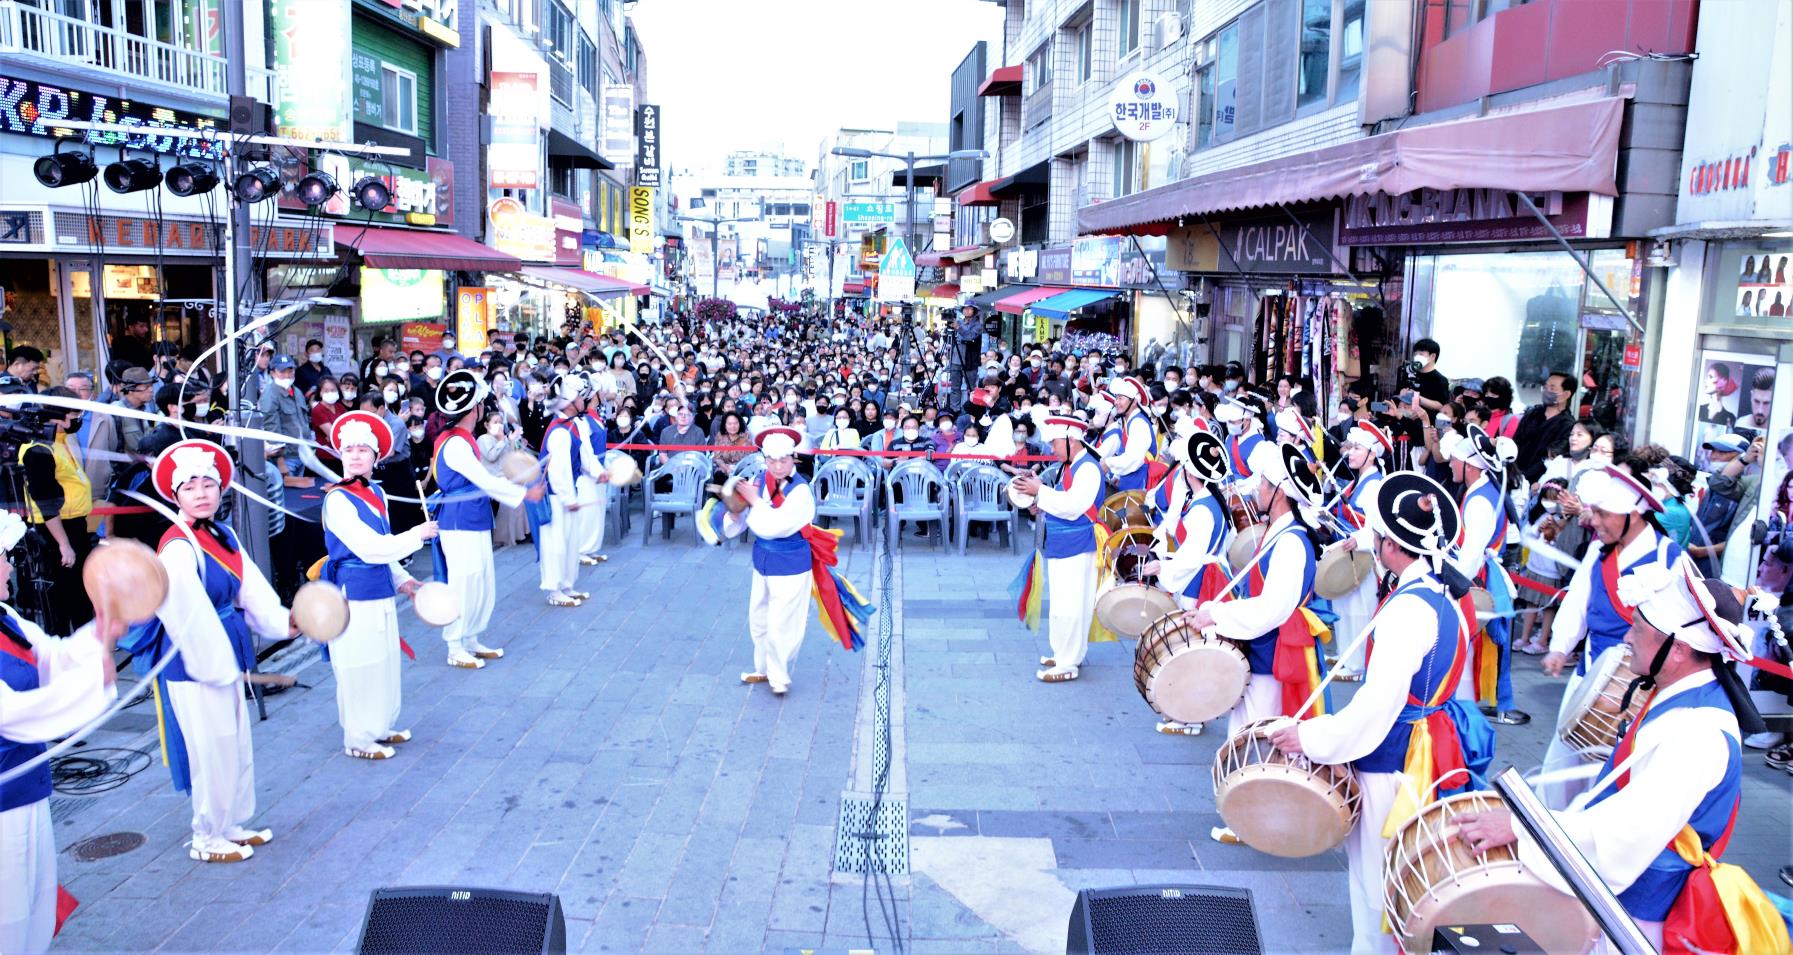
248	116
452	919
1204	919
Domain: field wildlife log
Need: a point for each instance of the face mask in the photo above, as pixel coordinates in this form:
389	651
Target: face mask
433	373
1231	386
283	383
842	423
1235	427
1160	408
1341	417
448	344
623	421
1418	360
911	433
889	423
417	434
1550	507
315	355
329	397
349	394
1599	456
381	371
391	395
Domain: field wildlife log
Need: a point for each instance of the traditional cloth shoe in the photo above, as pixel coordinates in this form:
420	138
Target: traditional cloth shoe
377	752
1347	676
592	560
396	736
250	837
1057	675
779	689
561	599
1173	728
218	850
1048	662
484	652
1225	836
464	660
579	595
753	678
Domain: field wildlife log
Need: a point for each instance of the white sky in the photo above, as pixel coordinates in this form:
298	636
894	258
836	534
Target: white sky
782	74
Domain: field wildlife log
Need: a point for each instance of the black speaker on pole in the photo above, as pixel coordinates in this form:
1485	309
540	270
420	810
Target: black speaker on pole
1142	919
454	919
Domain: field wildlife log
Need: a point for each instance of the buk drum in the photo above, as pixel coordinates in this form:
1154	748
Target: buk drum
1484	606
1124	509
1132	599
1018	498
1187	676
1433	879
1341	572
1591	720
1244	547
1280	803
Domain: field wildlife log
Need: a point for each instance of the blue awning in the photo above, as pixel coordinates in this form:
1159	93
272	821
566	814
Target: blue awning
1058	306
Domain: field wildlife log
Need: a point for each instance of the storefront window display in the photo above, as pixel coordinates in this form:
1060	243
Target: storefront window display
1754	283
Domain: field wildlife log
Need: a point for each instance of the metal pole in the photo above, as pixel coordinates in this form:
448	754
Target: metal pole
914	241
251	519
1580	260
715	258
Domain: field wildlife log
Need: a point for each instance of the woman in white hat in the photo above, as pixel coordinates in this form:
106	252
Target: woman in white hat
563	455
217	602
1070	510
1129	441
780	505
1367	448
49	688
362	557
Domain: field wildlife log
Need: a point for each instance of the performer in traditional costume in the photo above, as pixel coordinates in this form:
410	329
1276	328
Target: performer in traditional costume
1071	543
1656	822
463	511
1197	524
217	601
1366	448
1244	432
563	457
1129	442
49	688
1621	510
593	482
791	559
1402	731
1475	464
363	558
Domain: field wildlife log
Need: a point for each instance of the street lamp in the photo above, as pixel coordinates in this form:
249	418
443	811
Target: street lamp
715	224
909	159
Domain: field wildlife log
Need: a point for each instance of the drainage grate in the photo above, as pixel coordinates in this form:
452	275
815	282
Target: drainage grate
106	846
865	844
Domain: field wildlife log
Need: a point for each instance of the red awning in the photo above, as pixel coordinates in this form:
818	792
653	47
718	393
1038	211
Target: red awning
852	288
417	249
1572	148
979	195
590	283
1019	301
944	290
1003	81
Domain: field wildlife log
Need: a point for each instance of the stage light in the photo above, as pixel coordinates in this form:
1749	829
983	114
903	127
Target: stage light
64	169
257	184
190	179
372	193
316	188
132	175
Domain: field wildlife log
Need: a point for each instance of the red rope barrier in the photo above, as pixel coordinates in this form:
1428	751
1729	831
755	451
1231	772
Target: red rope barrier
1529	584
842	452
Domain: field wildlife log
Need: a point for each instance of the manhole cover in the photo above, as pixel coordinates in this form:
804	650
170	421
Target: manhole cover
106	846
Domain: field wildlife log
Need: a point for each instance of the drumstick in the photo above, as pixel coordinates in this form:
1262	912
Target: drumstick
270	679
423	500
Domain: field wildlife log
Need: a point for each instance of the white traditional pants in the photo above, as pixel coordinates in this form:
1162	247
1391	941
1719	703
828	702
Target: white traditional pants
592	499
1070	602
468	555
1363	864
365	660
777	613
560	551
1262	700
215	723
1558	755
27	878
1355	610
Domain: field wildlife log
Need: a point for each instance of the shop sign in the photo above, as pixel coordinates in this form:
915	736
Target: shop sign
519	232
1001	231
435	19
1634	355
1119	261
864	213
1053	266
336	341
647	145
728	256
641	220
472	314
396	295
569	229
21	227
30	108
619	119
425	337
513	158
830	218
1429	216
1142	106
312	69
420	197
169	236
1273	245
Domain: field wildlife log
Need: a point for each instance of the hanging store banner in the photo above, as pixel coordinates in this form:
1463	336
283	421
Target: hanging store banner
1118	261
472	315
514	230
1469	215
728	256
619	121
641	220
420	197
647	145
396	295
1274	245
30	108
312	69
425	337
514	157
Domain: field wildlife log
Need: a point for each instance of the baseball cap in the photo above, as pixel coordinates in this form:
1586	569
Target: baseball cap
1734	443
283	363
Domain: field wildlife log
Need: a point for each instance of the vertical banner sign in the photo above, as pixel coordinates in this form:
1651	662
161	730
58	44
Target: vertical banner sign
513	158
641	220
833	217
727	252
472	315
619	121
311	69
647	145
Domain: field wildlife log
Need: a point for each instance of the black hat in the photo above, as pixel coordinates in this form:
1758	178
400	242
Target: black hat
459	392
1416	512
1206	457
1478	450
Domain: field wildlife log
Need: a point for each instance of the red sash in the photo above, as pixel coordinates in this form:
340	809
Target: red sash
365	494
226	558
22	654
1293	663
1609	575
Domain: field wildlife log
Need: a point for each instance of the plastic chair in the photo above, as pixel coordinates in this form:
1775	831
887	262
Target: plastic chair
914	490
843	489
1048	477
981	494
688	471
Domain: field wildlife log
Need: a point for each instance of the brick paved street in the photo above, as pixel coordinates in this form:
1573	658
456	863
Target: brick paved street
613	758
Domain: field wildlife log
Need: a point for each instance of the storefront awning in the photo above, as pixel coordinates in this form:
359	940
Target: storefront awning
925	176
1018	302
947	291
963	253
979	195
988	299
417	249
591	283
1571	148
1062	304
1003	81
852	288
573	153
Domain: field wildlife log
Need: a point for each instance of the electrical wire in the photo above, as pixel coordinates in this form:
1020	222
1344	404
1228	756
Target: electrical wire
96	770
876	873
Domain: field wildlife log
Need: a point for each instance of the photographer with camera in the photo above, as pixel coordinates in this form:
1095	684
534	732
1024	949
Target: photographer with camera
57	500
1421	375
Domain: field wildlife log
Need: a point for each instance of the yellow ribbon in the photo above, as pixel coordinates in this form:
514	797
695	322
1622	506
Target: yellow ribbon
1097	632
1755	922
1416	779
1488	674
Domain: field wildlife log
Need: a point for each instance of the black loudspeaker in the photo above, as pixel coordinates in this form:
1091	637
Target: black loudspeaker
1503	939
248	116
1196	919
450	919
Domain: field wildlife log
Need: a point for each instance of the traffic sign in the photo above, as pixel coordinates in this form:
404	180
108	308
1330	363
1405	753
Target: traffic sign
864	212
896	273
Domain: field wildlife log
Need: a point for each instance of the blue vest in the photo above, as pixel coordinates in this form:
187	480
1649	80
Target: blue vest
782	556
578	459
1078	535
459	503
1657	888
1351	508
1260	651
1238	450
1134	480
1489	492
1606	627
221	586
33	786
1390	756
1219	519
358	579
598	441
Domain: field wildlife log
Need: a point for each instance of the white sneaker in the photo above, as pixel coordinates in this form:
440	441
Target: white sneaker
1767	740
214	849
464	660
373	751
484	652
249	837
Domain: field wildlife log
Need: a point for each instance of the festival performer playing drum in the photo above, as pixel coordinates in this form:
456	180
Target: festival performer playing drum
1243	435
1660	814
593	483
463	511
1622	511
1197	521
49	688
1366	448
1401	731
1475	464
363	559
1070	546
563	454
216	601
1129	441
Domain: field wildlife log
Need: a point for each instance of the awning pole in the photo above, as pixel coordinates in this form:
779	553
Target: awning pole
1580	260
1334	256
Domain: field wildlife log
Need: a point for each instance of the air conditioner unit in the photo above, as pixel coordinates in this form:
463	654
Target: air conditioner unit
1167	29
